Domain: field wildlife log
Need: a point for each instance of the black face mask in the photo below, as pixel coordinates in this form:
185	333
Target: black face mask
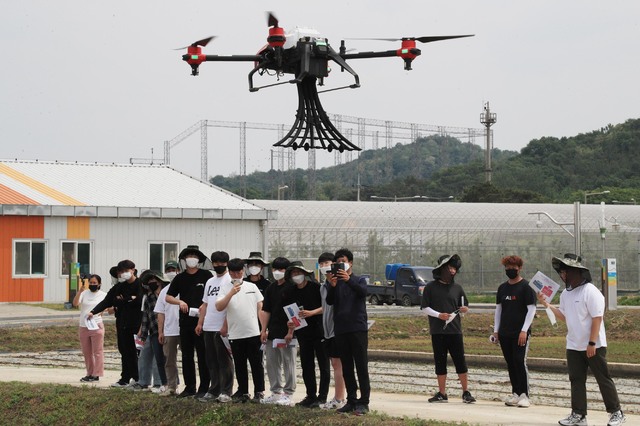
220	269
511	273
153	286
93	287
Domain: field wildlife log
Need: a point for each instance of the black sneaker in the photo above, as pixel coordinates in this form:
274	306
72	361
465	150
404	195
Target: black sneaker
87	379
95	378
187	393
361	409
347	408
438	397
240	397
307	402
467	398
257	397
120	384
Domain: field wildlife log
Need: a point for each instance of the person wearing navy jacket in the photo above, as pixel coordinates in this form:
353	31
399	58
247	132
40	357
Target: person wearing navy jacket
347	293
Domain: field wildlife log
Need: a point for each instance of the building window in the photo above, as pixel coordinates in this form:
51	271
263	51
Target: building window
76	252
29	258
161	253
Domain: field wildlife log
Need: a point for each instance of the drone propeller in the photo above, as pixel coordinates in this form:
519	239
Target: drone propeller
424	39
272	21
202	43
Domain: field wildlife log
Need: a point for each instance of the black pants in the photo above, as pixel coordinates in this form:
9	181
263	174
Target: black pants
220	364
353	351
190	344
452	344
578	362
248	350
516	358
311	349
128	354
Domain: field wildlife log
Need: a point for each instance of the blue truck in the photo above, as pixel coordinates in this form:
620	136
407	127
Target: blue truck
403	286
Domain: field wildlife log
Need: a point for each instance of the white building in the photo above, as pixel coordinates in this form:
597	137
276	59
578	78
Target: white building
53	214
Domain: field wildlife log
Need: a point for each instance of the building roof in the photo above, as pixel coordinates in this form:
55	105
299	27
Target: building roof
114	190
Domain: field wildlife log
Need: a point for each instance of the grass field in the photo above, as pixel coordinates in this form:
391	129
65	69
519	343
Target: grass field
391	333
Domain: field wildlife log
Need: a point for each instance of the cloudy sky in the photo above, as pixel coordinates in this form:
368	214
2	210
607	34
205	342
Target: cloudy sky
99	81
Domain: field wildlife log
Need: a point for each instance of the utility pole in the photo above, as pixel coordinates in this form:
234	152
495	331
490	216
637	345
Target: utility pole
488	119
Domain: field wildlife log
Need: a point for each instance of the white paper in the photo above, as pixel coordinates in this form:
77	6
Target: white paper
282	343
552	316
194	312
227	344
91	323
451	318
540	283
370	323
293	313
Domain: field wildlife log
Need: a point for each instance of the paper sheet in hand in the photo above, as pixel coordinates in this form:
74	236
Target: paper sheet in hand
282	343
293	313
451	318
91	323
540	283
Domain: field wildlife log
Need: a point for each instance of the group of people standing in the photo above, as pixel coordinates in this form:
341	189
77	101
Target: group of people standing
232	319
582	307
236	317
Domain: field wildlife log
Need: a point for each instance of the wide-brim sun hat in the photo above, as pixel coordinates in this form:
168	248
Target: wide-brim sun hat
296	264
571	260
446	259
256	256
148	274
193	249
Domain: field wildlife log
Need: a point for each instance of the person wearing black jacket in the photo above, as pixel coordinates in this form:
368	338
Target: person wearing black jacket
126	298
347	293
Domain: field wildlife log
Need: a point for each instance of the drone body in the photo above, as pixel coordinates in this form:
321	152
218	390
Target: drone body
305	54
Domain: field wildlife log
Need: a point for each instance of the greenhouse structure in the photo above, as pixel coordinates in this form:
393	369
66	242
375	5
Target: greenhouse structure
417	233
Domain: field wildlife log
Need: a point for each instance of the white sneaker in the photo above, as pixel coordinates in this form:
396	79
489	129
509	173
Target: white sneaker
159	389
271	399
285	400
617	418
574	419
223	397
512	400
334	404
523	401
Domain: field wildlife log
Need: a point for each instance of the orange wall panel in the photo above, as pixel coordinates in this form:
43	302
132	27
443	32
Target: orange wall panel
78	228
23	289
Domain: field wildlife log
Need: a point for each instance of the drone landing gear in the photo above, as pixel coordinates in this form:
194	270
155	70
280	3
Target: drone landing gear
312	128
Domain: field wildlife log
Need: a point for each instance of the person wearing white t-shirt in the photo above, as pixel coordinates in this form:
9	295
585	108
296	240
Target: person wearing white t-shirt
169	330
214	325
91	341
243	302
582	308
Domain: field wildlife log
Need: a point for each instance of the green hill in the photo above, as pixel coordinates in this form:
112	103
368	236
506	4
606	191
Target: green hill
546	170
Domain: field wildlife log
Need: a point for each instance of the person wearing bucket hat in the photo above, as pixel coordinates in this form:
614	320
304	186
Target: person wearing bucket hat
169	330
280	359
152	349
443	300
306	294
582	307
255	265
186	291
126	298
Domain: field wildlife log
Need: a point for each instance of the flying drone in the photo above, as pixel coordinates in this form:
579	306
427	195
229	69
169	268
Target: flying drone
305	54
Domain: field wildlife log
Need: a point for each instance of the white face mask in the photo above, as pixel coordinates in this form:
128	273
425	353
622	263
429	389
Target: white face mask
278	275
254	270
325	269
346	266
170	275
191	262
236	281
125	276
298	279
116	280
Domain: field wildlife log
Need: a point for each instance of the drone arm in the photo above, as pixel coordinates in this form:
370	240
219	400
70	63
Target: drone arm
340	61
232	58
367	55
